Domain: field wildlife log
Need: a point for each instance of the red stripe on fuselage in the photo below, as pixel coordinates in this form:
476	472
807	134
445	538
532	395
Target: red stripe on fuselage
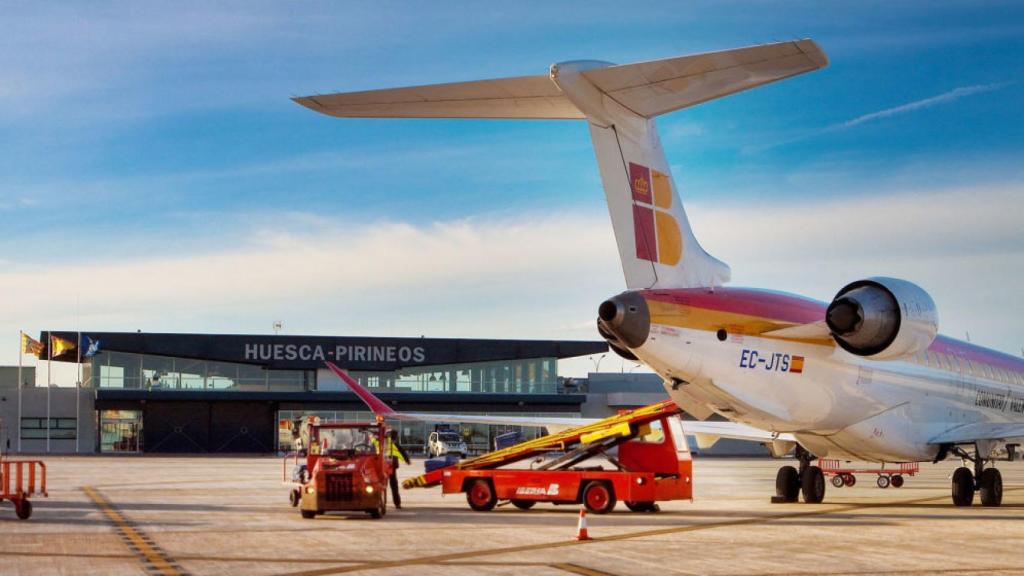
752	302
780	306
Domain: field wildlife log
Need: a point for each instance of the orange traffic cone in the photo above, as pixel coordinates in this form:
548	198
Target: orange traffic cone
581	529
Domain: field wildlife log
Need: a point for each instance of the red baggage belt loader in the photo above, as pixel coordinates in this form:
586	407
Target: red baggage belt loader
652	464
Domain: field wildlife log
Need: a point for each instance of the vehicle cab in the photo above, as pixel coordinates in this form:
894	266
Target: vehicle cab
345	468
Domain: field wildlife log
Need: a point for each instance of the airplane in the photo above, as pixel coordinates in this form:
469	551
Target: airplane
863	377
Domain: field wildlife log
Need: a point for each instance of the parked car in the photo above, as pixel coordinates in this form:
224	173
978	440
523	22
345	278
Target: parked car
446	442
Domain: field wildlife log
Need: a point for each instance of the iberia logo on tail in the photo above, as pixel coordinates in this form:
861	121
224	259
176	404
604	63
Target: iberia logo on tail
657	232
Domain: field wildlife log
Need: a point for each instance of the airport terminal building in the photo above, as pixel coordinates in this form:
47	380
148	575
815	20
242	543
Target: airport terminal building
219	393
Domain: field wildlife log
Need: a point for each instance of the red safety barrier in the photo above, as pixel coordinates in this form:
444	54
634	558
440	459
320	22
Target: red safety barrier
27	475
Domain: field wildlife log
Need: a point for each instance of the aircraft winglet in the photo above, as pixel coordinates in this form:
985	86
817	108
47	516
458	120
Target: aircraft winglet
376	404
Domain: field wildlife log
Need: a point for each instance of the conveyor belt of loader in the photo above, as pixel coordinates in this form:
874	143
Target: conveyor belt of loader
625	425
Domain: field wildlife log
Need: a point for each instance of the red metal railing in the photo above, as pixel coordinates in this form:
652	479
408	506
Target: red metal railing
26	477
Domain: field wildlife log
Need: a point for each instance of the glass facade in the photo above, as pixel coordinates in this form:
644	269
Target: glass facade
148	372
122	370
120	431
528	376
413	435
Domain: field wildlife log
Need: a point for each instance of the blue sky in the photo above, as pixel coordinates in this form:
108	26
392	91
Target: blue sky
151	159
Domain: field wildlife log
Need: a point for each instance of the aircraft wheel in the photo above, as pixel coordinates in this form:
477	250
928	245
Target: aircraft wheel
480	495
23	509
839	481
524	504
963	487
787	484
850	480
991	484
813	485
599	497
883	481
897	481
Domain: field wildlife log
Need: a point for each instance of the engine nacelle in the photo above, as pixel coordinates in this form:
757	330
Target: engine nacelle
883	318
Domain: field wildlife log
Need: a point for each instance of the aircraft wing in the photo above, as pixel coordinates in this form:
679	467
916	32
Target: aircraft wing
706	432
980	431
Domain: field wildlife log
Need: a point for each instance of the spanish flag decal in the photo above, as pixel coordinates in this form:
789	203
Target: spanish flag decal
796	365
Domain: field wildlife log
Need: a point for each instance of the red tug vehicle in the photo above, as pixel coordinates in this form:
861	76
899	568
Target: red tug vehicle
652	464
340	467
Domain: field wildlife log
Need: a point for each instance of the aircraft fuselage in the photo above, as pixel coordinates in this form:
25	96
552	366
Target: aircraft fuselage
710	346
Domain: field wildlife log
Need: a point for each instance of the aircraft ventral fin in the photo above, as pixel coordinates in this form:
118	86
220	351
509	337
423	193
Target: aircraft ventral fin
648	89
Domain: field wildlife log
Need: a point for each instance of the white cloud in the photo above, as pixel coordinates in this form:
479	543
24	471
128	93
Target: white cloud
952	95
531	276
944	98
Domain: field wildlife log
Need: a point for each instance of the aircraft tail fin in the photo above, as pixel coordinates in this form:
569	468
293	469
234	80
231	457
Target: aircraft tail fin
657	247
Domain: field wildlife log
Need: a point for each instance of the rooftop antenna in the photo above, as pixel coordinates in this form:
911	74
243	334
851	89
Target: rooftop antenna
277	326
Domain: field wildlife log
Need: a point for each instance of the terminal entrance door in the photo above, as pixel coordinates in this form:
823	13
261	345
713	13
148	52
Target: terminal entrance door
120	431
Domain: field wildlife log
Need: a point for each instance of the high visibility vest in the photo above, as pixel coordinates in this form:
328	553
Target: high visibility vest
391	451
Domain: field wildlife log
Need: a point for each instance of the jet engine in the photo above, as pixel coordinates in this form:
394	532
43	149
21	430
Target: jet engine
883	318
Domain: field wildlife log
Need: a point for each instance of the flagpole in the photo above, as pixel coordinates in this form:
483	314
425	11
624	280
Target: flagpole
78	392
21	340
49	382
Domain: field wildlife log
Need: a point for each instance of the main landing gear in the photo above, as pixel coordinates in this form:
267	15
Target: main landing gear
809	480
987	482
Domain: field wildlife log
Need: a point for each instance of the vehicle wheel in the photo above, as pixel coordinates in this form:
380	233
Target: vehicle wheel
643	506
599	497
308	514
294	496
382	506
897	481
23	509
883	481
839	481
850	480
963	487
524	504
991	487
812	484
787	484
480	495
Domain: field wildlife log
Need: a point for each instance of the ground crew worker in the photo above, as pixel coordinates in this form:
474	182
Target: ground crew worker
394	452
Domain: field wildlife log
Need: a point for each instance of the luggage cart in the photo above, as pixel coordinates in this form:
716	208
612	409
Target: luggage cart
845	475
651	463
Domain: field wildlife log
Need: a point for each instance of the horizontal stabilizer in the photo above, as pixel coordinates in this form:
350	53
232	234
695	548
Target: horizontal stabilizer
648	89
653	88
522	97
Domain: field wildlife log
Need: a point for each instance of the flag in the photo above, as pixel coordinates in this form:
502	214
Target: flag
30	345
93	348
796	365
59	346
